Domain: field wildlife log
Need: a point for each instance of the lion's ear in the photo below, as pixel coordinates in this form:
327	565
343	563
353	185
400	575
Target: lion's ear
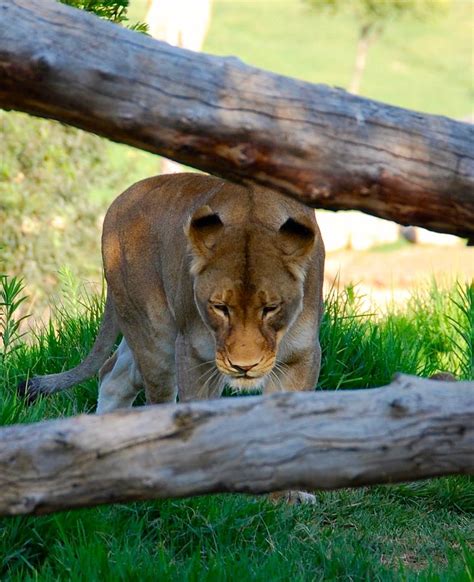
202	231
297	237
296	240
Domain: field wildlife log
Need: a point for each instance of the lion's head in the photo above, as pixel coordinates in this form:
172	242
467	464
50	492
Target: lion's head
248	286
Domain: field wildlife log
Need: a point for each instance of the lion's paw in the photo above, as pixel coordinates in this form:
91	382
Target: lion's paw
293	497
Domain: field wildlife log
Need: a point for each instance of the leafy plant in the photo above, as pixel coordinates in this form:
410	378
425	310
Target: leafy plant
11	298
463	324
113	10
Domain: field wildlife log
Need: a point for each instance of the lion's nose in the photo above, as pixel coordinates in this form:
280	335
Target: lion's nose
242	368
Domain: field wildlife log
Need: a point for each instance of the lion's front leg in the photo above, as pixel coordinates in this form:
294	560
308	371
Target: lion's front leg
299	373
198	377
159	373
151	335
119	380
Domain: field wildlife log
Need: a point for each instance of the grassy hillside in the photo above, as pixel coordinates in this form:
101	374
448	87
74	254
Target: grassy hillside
423	65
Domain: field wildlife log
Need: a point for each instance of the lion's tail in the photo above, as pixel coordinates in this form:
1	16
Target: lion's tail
100	351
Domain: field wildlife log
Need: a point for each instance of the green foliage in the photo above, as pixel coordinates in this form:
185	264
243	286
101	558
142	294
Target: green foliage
463	328
379	12
376	534
47	218
433	332
113	10
11	297
54	347
413	532
47	171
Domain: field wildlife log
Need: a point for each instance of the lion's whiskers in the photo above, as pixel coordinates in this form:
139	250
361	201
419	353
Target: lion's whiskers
215	375
280	373
201	365
207	373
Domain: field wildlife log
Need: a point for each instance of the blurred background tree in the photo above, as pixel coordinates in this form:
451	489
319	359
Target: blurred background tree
372	17
48	219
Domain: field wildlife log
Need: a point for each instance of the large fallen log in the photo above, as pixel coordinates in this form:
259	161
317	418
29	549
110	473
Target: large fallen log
326	147
411	429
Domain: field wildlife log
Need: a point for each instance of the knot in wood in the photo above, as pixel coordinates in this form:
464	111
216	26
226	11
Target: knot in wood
183	417
319	191
241	155
42	64
62	439
371	190
398	407
187	419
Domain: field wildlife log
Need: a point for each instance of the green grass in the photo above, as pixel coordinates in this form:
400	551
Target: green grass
421	531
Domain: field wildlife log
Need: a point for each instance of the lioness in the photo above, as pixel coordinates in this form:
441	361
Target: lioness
210	283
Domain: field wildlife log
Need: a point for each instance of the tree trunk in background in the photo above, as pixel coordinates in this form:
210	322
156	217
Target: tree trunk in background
321	145
367	36
182	23
409	430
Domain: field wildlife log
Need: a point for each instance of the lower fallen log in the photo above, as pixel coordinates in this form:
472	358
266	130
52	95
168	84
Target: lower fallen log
411	429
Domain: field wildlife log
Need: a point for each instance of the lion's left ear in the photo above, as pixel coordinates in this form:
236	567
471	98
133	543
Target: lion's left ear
297	237
296	240
202	231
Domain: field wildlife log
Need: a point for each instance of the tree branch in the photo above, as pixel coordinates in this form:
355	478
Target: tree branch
321	145
411	429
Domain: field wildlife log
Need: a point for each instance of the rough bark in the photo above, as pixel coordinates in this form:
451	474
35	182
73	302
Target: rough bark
322	145
409	430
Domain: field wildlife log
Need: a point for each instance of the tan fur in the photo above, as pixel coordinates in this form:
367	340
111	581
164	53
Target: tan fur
194	267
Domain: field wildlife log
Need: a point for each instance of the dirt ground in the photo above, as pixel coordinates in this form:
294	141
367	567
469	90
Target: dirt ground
384	275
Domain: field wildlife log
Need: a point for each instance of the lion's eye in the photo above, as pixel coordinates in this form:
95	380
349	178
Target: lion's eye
269	309
221	308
